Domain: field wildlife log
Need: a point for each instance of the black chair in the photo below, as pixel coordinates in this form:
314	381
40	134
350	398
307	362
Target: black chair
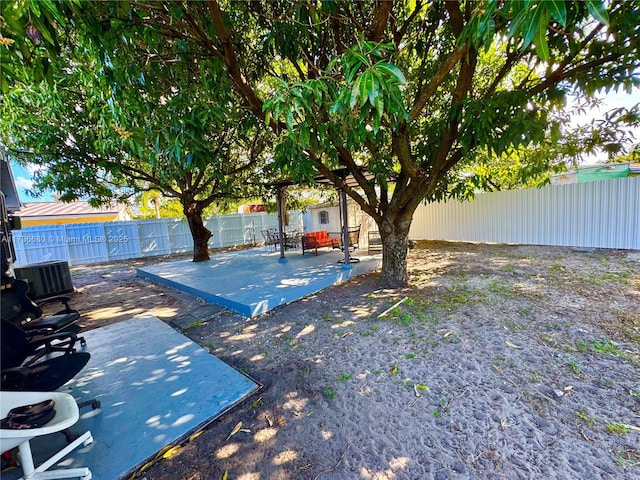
31	364
37	364
271	238
353	237
20	309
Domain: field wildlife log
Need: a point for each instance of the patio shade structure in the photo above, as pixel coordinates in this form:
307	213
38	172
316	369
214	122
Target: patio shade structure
349	180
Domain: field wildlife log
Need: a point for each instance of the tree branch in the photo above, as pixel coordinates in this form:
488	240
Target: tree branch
423	95
231	61
399	34
557	76
380	19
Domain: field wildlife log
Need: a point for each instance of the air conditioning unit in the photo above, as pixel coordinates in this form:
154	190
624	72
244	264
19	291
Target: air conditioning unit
46	279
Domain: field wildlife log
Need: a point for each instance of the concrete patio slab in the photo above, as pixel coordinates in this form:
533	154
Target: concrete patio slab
253	281
156	387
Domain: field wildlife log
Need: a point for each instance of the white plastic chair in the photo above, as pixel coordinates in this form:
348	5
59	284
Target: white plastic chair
67	414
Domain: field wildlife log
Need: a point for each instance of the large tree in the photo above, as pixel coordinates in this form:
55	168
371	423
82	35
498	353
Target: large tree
400	94
108	129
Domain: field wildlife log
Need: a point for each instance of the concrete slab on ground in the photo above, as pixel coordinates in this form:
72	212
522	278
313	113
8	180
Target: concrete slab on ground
253	281
155	386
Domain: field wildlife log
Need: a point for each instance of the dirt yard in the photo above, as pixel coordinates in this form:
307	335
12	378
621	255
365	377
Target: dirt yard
500	362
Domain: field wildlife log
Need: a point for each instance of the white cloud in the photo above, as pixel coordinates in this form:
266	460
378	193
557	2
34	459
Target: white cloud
23	182
33	168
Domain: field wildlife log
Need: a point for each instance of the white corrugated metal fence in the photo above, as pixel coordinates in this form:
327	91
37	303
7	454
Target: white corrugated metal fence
603	214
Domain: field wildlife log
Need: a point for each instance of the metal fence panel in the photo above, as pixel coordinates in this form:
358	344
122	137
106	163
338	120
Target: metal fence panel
230	230
213	224
251	226
597	214
89	243
153	236
40	244
180	239
604	214
122	240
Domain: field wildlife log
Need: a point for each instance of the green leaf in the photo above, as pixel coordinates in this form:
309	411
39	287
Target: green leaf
289	119
379	107
540	41
336	107
355	91
531	25
35	8
516	23
51	8
391	71
351	72
598	10
368	89
374	90
43	29
558	11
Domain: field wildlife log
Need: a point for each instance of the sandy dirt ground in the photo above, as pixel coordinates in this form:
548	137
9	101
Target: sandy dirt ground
500	362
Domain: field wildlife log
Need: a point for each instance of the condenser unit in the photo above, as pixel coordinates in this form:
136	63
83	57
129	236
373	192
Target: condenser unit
46	279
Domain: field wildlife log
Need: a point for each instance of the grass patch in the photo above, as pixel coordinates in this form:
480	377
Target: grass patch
557	267
618	428
626	326
575	368
607	346
601	345
623	278
586	417
501	290
456	298
343	377
305	372
513	326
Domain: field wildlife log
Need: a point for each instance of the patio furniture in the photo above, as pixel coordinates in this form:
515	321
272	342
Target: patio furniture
271	238
20	309
353	236
43	363
66	415
319	239
375	242
292	238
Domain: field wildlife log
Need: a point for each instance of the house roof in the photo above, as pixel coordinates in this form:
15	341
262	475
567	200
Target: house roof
599	171
61	209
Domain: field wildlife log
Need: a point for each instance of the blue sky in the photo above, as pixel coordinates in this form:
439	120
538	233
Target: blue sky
613	100
22	177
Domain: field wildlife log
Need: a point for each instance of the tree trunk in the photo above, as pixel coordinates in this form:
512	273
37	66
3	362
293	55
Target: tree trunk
199	232
394	253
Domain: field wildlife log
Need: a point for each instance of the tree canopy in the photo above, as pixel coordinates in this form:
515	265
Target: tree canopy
106	127
410	91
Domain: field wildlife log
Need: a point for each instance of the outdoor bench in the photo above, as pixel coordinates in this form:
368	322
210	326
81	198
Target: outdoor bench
315	240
